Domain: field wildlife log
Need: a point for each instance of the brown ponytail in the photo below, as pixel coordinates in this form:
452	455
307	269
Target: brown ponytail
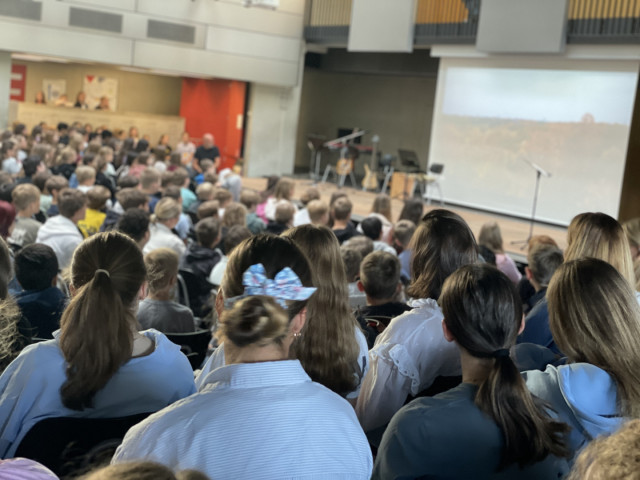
97	327
483	312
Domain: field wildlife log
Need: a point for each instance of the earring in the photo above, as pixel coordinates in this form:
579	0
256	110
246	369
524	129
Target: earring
297	335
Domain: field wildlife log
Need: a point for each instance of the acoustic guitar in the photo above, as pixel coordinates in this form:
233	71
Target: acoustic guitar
370	180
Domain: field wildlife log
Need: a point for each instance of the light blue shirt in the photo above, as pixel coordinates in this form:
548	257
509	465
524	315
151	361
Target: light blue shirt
256	420
30	387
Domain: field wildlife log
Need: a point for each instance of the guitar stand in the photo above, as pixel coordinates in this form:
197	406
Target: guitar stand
341	178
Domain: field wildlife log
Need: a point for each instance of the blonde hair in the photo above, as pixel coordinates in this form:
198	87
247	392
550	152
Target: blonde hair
595	318
317	210
234	214
142	470
84	173
632	230
598	235
205	191
491	237
66	155
25	195
162	266
166	209
327	349
612	457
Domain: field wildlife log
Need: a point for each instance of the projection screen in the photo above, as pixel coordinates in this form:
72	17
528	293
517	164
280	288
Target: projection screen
572	118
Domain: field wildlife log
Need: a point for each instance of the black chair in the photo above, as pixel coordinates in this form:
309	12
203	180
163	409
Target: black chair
195	293
69	445
193	344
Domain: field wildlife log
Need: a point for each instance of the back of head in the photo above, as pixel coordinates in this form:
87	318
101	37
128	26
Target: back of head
97	197
36	266
208	232
403	231
205	191
441	244
6	269
208	209
351	259
342	209
128	181
7	216
31	164
25	195
179	177
491	237
483	312
131	198
595	318
598	235
318	211
149	177
70	201
223	196
162	266
543	262
249	198
412	211
360	243
107	269
613	457
166	209
40	179
234	237
372	227
134	223
283	189
284	213
380	275
85	173
56	183
632	230
234	214
311	193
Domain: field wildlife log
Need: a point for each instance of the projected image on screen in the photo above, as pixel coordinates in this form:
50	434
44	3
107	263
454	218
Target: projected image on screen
573	123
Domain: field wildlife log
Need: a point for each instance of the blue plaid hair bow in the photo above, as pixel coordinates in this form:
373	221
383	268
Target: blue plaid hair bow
285	286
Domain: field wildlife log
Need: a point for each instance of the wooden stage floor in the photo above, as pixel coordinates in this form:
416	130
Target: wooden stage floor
512	229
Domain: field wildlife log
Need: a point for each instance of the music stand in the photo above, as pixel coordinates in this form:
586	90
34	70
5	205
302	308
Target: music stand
539	173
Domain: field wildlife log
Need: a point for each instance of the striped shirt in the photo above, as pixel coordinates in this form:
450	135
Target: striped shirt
256	420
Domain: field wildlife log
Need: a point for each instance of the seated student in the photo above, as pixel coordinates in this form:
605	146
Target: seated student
86	177
26	200
235	236
53	185
361	243
208	168
234	214
283	218
543	262
372	228
40	180
352	259
61	232
224	198
158	310
318	213
283	192
402	234
97	198
41	302
208	209
127	198
204	192
489	426
412	352
250	200
135	224
175	162
380	282
98	365
261	401
612	457
180	178
150	185
198	261
163	221
65	163
343	227
302	216
184	225
491	238
31	165
595	321
526	291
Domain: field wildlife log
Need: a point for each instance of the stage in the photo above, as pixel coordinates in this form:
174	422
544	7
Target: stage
512	229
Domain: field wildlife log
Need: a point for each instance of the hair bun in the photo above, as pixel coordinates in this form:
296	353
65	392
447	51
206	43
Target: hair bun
255	320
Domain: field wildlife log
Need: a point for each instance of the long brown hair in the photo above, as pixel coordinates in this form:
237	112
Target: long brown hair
483	311
327	349
442	243
595	318
97	327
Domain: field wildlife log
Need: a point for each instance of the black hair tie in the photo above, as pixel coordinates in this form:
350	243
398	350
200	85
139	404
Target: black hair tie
501	353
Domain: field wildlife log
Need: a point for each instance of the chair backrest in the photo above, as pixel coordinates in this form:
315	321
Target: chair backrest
198	292
63	443
436	168
183	293
193	344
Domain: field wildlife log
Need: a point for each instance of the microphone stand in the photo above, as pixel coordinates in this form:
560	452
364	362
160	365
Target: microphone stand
539	173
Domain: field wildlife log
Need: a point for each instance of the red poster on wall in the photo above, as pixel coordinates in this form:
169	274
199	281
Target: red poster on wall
18	82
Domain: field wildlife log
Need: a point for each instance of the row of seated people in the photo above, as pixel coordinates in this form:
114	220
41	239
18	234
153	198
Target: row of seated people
287	296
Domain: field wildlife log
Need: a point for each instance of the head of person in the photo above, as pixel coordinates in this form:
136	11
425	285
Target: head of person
223	196
7	217
150	180
132	198
32	165
180	177
483	315
175	159
598	235
380	276
285	212
97	197
234	237
284	189
86	175
142	470
341	210
8	149
351	259
595	318
106	269
26	199
442	243
133	132
104	103
403	232
361	243
543	261
249	199
135	224
330	324
208	166
632	230
167	212
72	204
311	193
162	269
164	139
36	267
81	97
208	140
318	212
205	191
40	180
412	210
234	214
208	209
128	181
372	228
40	98
382	205
491	237
54	184
612	457
185	137
208	232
